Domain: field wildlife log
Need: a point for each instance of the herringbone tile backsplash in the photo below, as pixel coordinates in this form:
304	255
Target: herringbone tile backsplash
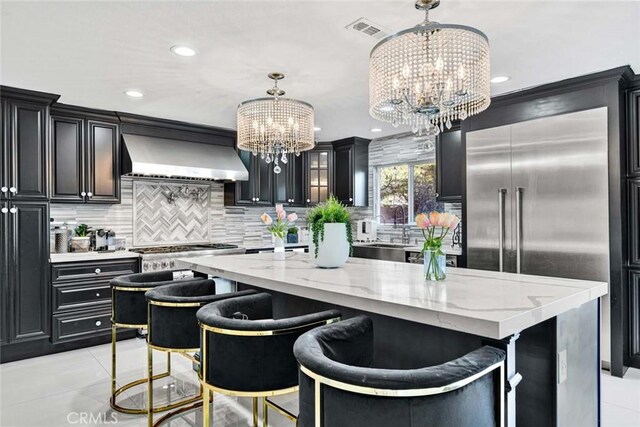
159	221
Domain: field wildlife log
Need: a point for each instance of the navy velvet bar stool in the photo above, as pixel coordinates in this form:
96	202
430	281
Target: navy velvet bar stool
339	388
172	327
129	310
246	352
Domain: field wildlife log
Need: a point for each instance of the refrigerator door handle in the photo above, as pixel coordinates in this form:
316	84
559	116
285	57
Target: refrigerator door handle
519	191
501	196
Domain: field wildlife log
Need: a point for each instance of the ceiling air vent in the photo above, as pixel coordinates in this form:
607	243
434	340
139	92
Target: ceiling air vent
368	28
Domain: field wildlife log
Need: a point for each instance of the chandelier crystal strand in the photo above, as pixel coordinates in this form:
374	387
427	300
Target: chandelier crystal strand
430	75
275	126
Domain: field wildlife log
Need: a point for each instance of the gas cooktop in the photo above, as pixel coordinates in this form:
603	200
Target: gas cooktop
182	248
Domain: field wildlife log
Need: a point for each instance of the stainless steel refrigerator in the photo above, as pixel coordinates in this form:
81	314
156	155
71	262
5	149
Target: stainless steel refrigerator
537	199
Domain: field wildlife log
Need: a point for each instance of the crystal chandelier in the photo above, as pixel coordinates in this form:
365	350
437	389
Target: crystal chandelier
275	126
429	75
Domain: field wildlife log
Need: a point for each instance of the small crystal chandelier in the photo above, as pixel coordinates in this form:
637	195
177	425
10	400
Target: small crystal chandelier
429	75
275	126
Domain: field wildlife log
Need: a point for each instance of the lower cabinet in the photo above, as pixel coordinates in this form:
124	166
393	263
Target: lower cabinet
81	299
633	351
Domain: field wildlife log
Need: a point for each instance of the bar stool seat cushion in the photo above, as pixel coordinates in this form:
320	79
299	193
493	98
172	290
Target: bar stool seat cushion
130	307
344	352
173	323
254	363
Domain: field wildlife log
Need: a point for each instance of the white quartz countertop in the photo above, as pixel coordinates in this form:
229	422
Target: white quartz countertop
91	256
489	304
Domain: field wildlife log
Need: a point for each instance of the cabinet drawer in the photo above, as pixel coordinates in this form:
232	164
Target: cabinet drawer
81	325
82	295
96	270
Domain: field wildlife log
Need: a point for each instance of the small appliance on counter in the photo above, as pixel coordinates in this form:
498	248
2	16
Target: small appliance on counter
102	239
367	230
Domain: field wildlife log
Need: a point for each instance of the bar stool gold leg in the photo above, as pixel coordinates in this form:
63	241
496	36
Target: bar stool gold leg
265	413
150	386
255	412
169	362
113	360
206	409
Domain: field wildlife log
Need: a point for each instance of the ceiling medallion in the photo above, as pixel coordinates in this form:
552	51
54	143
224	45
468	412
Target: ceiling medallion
429	75
275	126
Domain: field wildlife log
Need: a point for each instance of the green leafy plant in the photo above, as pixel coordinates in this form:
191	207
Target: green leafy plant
82	230
292	230
330	212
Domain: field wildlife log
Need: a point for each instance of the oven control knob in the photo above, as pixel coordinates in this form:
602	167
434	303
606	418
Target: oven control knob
155	265
172	264
145	266
164	264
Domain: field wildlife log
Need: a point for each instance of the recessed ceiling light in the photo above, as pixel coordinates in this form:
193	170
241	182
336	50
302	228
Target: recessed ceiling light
500	79
183	50
317	128
376	130
134	93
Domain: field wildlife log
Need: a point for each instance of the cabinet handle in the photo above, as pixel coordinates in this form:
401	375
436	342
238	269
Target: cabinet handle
257	199
83	194
97	294
89	194
14	190
351	199
308	200
253	199
4	210
4	189
13	210
97	270
98	323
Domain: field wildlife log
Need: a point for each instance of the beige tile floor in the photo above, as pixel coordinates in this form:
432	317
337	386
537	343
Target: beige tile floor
73	388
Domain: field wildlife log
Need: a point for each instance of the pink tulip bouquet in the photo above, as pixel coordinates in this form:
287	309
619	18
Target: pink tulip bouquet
280	226
435	226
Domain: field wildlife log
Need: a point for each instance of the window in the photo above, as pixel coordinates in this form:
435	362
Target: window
405	190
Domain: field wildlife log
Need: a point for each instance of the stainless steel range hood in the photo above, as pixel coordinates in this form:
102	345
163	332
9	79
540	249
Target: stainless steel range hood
170	158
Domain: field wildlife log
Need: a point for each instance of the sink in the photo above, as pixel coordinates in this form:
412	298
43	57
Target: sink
382	251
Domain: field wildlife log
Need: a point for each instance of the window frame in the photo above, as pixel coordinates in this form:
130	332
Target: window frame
410	187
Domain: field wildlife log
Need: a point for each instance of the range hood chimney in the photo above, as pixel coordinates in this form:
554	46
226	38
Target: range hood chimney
147	156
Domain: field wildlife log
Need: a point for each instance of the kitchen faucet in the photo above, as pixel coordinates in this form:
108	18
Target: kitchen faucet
406	239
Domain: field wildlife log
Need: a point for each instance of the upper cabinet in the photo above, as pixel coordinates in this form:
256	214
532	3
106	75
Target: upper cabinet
449	165
23	167
634	130
258	190
351	166
85	155
318	174
288	185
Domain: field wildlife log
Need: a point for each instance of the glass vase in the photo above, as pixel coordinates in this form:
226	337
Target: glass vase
278	249
435	262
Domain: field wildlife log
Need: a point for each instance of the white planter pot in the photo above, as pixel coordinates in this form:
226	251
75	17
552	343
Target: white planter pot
80	244
333	251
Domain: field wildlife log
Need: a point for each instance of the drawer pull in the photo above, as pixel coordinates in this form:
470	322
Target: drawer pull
98	323
98	271
97	294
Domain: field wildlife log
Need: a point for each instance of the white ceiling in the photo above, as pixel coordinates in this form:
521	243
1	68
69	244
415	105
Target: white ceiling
90	52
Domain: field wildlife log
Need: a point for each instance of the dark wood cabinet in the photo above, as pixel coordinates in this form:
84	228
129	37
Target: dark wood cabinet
318	175
4	271
634	131
449	165
258	190
351	171
634	221
288	185
85	155
633	348
25	252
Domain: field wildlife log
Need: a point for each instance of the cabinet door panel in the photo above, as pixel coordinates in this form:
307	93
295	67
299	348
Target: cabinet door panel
264	185
281	184
343	166
296	180
4	150
244	189
634	317
634	136
67	159
634	219
449	157
103	152
28	149
29	271
4	276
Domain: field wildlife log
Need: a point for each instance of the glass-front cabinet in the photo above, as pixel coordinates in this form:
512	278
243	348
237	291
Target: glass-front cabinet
319	172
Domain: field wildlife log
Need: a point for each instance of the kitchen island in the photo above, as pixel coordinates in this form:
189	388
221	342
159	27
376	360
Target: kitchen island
555	322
